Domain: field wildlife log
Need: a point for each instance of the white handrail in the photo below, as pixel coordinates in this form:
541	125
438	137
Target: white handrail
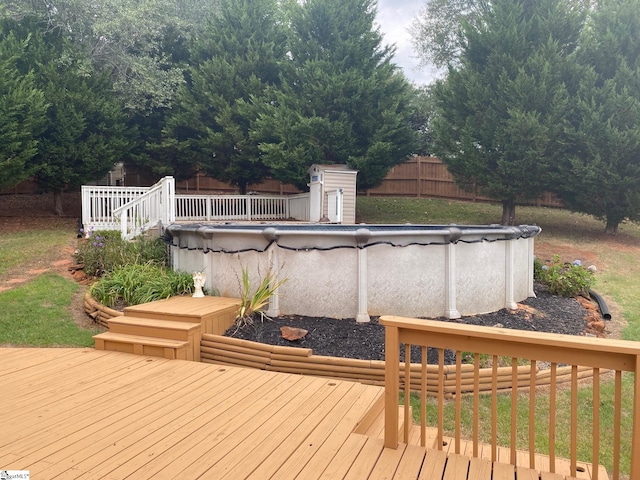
154	207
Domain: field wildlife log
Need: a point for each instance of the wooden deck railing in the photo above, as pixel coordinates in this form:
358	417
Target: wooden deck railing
595	353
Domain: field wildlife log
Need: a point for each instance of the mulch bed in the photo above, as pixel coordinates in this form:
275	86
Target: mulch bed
349	339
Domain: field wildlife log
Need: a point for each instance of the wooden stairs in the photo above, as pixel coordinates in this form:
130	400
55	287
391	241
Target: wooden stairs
169	328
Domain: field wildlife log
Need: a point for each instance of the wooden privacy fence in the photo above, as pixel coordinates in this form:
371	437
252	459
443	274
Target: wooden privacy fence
580	353
429	177
417	177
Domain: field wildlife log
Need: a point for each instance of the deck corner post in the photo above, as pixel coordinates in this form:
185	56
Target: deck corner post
391	385
635	436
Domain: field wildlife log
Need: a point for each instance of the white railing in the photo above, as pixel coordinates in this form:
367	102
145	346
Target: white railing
156	206
205	208
133	209
99	203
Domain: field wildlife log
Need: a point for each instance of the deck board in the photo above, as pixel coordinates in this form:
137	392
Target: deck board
479	469
457	467
411	463
86	414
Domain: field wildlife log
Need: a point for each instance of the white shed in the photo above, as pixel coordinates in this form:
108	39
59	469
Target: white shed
332	193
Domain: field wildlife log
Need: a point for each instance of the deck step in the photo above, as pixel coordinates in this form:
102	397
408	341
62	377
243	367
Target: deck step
166	329
215	314
142	345
150	327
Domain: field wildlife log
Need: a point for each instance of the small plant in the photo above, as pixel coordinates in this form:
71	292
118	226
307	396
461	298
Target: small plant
140	283
254	304
564	279
104	251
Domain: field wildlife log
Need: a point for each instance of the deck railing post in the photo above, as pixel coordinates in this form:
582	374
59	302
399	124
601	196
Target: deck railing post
635	439
392	386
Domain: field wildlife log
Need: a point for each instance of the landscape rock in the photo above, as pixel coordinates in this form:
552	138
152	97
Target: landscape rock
292	333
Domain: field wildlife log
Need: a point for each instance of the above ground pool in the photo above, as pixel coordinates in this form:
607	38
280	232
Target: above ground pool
356	271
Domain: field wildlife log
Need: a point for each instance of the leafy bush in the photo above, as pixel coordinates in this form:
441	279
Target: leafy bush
564	279
140	283
104	251
254	304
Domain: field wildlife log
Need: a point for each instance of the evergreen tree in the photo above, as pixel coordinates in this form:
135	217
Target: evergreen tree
130	40
231	67
84	133
603	177
341	101
504	110
22	109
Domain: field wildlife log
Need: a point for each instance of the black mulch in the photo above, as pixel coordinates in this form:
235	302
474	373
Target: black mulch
346	338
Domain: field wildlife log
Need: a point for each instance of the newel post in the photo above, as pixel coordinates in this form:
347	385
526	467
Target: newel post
391	386
635	438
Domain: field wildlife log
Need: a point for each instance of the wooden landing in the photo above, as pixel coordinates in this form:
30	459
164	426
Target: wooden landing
215	314
82	413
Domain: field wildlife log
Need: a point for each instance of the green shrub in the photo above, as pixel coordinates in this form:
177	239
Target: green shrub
140	283
564	279
104	251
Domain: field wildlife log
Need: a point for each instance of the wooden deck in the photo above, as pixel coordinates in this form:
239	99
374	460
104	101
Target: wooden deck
82	413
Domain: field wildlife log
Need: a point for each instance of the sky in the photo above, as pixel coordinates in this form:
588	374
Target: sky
394	18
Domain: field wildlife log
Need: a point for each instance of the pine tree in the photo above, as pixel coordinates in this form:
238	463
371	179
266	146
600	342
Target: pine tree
232	66
22	109
341	101
84	130
504	109
603	177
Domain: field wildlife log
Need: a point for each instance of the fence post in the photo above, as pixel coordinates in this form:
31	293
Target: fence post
419	179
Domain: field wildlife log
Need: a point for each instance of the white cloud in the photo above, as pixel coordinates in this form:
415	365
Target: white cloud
394	18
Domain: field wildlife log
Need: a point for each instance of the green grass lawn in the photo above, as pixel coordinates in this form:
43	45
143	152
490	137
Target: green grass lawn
37	314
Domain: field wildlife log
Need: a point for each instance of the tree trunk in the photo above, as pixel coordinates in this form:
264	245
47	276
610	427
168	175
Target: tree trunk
508	212
243	188
612	227
57	202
